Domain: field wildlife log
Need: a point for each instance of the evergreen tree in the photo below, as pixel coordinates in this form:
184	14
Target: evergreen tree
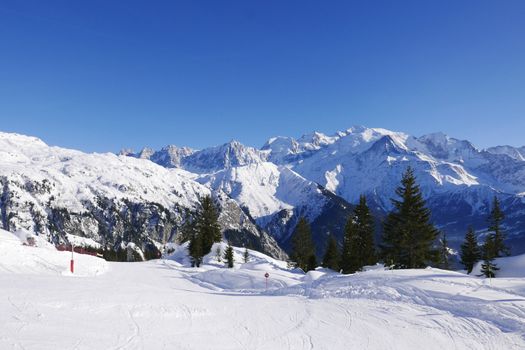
408	235
470	251
444	255
218	253
246	255
228	256
195	250
365	232
207	225
303	250
331	256
203	230
358	242
187	229
495	219
312	263
488	267
350	255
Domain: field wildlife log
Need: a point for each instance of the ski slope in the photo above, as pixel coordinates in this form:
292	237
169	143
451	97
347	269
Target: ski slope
165	304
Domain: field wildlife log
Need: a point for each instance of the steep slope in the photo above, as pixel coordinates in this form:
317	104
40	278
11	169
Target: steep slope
277	196
274	196
513	152
111	199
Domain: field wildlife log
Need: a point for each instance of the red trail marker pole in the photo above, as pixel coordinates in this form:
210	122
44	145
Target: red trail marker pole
72	262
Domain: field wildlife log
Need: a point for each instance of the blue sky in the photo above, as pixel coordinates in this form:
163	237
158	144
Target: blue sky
104	75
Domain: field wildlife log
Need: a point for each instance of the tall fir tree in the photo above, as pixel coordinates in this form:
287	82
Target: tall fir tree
303	249
203	230
350	254
365	231
246	255
444	254
187	230
331	256
228	256
489	267
408	234
495	220
207	225
358	242
470	251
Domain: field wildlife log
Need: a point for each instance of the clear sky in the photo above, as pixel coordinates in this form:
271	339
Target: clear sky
101	75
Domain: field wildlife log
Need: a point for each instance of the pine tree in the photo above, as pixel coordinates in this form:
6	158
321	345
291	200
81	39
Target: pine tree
408	235
228	256
195	250
470	251
312	263
358	242
303	250
365	232
331	256
207	225
495	219
488	267
218	253
187	229
246	255
444	254
350	255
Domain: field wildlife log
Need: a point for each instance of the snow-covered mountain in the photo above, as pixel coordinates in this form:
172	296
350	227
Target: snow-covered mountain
458	180
108	198
128	197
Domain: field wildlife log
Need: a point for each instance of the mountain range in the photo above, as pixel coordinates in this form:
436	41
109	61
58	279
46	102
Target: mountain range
141	196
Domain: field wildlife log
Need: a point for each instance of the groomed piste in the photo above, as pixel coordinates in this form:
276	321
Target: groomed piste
166	304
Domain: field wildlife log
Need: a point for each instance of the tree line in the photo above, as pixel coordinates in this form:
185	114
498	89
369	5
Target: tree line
409	239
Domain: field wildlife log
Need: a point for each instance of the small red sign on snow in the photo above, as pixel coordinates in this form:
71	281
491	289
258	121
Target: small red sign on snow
266	275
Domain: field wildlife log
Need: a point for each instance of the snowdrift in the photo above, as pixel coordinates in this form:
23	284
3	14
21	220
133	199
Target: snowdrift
511	267
43	258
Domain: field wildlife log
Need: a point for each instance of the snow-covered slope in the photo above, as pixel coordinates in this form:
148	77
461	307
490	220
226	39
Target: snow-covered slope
43	258
276	197
111	199
265	189
164	304
513	152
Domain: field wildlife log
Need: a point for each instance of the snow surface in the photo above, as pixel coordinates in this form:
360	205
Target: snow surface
165	304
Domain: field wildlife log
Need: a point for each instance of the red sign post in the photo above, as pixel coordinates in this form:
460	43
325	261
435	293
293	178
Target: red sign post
72	263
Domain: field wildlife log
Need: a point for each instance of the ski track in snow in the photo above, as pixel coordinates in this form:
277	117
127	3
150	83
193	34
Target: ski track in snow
164	305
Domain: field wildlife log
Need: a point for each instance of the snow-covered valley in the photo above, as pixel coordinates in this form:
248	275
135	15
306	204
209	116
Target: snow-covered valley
164	304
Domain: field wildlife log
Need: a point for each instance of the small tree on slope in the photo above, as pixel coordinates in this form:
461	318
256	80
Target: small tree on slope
331	256
408	235
470	251
195	250
228	256
488	267
303	250
246	255
444	254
